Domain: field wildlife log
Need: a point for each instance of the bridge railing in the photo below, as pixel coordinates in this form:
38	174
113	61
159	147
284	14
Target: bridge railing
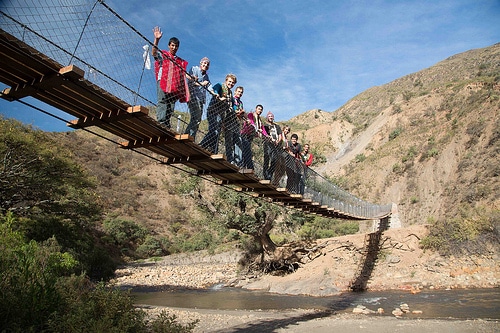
89	35
118	59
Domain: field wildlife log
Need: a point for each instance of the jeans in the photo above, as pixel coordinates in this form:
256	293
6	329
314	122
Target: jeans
246	148
211	139
232	139
270	158
165	106
293	173
196	111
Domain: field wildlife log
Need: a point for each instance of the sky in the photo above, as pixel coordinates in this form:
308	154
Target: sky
293	56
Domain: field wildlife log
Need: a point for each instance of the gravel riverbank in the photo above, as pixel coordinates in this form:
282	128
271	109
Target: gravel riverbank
401	265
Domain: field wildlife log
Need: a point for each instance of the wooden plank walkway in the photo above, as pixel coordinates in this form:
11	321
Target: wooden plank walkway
30	73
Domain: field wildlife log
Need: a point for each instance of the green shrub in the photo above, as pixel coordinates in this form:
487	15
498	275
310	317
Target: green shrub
397	168
153	246
321	227
360	158
395	133
279	239
471	232
432	152
307	232
166	323
89	308
410	154
124	232
233	235
407	95
38	294
189	185
53	197
397	109
346	228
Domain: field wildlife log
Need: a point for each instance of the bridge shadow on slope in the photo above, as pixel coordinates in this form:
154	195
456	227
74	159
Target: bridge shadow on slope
373	244
262	325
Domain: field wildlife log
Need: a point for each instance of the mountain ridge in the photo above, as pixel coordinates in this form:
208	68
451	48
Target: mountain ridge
440	111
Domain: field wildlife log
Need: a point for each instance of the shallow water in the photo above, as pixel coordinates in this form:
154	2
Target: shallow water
463	304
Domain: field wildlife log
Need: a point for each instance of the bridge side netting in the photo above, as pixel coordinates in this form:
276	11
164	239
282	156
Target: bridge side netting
119	59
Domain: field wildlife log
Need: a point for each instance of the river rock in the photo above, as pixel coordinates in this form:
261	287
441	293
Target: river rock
397	312
361	309
404	307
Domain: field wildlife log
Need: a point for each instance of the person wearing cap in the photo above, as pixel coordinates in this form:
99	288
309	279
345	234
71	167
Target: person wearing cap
199	83
272	146
170	77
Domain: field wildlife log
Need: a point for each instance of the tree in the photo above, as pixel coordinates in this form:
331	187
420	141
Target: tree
254	217
51	196
36	173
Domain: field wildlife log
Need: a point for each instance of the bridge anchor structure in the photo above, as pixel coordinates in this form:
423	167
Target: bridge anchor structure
36	61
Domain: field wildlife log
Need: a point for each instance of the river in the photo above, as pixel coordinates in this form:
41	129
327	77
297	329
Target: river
442	304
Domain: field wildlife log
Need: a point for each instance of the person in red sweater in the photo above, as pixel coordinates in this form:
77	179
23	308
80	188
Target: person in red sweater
170	73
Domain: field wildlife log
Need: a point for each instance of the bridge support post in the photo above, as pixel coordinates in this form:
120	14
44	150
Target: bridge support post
394	221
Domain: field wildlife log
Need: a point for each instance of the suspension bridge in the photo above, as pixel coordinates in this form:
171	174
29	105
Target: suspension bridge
66	57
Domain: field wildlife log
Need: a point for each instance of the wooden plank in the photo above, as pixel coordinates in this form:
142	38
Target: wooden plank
67	102
23	67
187	148
13	77
73	110
113	116
89	97
72	72
184	137
36	85
127	121
192	161
162	152
148	126
141	143
243	189
24	58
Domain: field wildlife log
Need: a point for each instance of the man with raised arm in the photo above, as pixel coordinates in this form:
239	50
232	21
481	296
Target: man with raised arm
170	71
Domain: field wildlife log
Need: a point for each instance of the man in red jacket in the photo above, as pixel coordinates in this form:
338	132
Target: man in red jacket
170	73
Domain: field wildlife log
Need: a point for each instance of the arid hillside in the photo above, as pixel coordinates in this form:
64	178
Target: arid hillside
428	142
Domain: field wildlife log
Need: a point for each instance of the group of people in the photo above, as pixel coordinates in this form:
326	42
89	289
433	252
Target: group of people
226	115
